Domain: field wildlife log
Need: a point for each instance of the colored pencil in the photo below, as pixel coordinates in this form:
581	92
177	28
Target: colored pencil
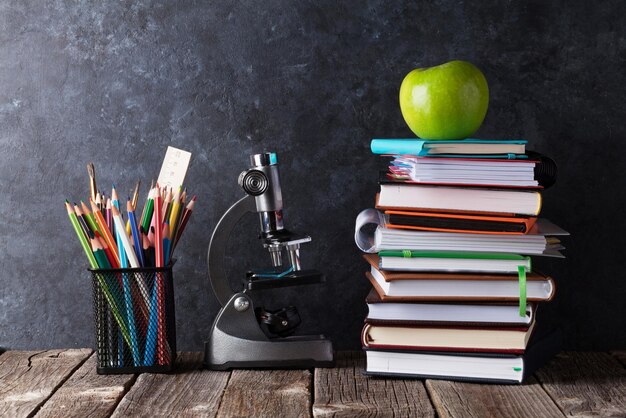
106	233
91	169
121	232
124	245
158	239
150	236
135	233
167	240
94	265
100	300
152	336
99	253
109	218
135	195
118	233
107	250
114	304
89	217
146	218
81	236
103	203
159	287
145	204
98	201
114	197
82	222
123	263
148	250
183	222
166	205
174	215
132	259
133	202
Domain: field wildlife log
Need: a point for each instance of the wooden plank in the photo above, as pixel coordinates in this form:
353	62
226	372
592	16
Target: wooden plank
345	392
586	384
620	356
28	378
456	399
87	393
267	393
188	391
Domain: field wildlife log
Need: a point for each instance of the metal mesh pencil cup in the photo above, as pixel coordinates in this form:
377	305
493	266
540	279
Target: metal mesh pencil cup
134	320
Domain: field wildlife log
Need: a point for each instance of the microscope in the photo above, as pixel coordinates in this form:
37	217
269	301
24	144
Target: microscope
248	336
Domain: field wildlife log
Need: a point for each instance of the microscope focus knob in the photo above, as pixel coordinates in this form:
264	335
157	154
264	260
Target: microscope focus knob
254	182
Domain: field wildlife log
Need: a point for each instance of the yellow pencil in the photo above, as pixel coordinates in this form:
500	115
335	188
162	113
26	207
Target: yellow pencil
133	201
175	212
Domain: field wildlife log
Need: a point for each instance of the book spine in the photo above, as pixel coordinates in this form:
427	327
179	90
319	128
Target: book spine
397	146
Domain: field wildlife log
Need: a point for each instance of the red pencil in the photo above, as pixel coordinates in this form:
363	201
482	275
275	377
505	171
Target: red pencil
162	355
158	238
183	222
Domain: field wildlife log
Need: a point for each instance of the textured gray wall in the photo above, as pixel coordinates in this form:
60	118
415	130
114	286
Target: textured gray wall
115	82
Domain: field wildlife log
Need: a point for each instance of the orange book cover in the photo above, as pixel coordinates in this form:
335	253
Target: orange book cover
449	222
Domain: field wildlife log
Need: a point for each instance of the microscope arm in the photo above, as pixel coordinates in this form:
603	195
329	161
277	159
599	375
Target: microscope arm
217	247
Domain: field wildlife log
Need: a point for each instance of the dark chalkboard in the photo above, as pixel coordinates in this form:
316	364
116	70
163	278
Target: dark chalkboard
117	82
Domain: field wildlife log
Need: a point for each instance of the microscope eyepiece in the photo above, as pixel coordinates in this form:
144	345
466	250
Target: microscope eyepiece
263	160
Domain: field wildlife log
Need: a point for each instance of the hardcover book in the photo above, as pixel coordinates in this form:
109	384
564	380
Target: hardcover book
426	286
466	339
468	367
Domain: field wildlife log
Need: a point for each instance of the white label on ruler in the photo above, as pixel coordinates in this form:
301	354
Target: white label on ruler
174	167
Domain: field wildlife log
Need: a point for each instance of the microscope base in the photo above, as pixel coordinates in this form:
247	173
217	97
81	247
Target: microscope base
224	352
237	341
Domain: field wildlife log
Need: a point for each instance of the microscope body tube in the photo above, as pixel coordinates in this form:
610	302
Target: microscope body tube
269	205
263	182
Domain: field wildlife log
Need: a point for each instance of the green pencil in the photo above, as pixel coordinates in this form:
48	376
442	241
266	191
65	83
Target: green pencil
90	218
81	236
114	304
147	215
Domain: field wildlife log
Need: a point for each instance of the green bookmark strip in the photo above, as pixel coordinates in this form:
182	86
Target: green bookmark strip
521	272
452	254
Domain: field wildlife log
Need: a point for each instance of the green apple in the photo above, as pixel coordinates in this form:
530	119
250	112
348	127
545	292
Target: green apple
448	101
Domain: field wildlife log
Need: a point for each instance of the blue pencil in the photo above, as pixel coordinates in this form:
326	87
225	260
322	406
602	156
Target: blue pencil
123	264
151	337
135	232
128	298
167	242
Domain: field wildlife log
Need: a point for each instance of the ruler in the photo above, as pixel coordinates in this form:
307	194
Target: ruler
174	167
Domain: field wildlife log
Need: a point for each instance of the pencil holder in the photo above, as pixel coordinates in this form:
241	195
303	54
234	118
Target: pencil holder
134	320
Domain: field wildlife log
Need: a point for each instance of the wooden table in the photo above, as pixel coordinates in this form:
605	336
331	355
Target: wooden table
63	383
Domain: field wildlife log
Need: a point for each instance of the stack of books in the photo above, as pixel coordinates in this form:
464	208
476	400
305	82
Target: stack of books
454	295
